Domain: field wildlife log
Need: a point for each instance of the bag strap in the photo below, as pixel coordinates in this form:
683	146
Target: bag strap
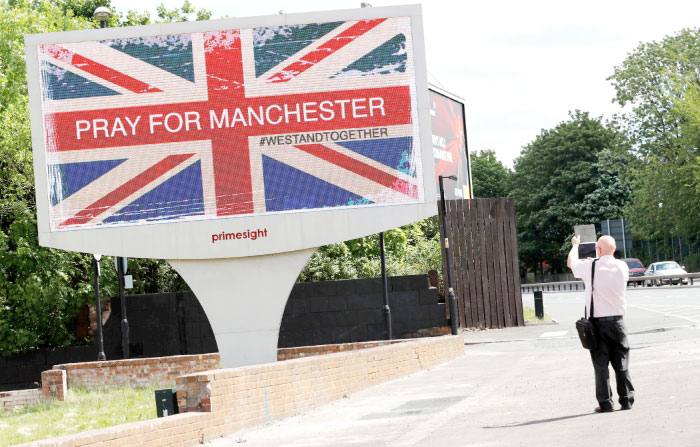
592	278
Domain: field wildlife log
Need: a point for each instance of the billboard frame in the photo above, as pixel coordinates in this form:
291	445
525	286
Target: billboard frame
290	231
454	97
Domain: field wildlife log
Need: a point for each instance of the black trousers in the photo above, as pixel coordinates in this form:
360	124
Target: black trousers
613	348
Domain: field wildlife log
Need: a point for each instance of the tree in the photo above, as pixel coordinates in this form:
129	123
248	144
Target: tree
569	175
490	178
41	290
660	81
411	249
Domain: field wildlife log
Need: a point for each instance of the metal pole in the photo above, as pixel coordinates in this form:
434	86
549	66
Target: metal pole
624	238
98	312
387	309
122	299
450	292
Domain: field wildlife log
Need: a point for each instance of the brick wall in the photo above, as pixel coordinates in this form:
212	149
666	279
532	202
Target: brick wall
227	400
308	351
20	398
321	313
53	384
158	370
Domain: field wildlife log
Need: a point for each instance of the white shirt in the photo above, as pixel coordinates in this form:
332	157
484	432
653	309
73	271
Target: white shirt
611	277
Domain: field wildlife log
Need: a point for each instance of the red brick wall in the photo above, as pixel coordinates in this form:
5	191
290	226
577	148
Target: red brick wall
226	400
53	384
156	370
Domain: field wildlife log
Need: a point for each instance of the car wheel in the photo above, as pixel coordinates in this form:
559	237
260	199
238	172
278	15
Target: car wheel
659	283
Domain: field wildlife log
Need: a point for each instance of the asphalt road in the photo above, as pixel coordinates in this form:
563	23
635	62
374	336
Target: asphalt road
522	387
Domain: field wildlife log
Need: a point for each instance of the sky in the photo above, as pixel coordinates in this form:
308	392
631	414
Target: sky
520	66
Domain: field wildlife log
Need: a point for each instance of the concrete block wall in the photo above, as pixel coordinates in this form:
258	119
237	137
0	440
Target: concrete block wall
19	398
223	401
321	313
332	312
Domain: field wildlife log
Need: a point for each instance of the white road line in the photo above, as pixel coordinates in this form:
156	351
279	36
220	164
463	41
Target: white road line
676	312
554	334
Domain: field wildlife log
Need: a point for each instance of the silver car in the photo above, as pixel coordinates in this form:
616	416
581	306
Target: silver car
664	269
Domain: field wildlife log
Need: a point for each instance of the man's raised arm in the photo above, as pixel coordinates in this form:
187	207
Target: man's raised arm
573	253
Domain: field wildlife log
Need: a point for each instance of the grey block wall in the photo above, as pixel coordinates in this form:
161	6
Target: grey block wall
352	310
316	314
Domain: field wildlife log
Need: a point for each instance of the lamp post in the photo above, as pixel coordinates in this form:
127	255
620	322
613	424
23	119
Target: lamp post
102	14
122	300
385	289
98	308
450	292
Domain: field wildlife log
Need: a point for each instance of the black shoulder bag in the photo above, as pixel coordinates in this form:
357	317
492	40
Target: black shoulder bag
584	326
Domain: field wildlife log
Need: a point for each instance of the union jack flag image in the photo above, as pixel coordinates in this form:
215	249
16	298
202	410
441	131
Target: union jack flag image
230	123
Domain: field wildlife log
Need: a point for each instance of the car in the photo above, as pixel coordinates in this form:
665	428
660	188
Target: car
665	268
636	267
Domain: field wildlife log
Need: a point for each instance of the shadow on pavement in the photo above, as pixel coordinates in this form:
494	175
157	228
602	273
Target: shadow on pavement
541	421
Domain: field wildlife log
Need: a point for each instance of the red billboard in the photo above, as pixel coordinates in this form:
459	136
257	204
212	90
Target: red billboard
449	141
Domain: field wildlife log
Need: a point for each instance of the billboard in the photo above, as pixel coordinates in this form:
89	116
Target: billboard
233	137
449	142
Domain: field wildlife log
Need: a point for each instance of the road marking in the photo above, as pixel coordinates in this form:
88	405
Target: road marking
683	312
553	334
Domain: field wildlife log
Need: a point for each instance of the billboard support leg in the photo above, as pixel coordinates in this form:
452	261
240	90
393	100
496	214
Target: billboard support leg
244	299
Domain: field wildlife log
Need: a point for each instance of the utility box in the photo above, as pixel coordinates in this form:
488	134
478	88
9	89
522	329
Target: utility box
166	402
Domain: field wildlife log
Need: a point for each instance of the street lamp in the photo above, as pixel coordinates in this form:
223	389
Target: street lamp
102	14
98	308
450	293
385	290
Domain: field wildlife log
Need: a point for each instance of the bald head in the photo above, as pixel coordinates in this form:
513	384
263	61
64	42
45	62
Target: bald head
607	246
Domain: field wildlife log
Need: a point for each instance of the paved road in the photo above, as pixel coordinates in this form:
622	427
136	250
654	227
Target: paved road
523	387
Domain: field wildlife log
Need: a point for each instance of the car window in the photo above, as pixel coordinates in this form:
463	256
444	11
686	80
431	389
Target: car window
635	265
668	266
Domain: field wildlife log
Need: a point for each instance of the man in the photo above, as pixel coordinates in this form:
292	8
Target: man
609	287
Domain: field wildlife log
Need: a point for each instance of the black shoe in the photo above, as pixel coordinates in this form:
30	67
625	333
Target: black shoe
603	410
626	407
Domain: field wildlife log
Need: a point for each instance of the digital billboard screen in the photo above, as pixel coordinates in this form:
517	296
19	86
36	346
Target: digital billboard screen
449	141
226	123
182	140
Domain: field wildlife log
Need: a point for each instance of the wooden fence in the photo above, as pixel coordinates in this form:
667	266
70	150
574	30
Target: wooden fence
484	256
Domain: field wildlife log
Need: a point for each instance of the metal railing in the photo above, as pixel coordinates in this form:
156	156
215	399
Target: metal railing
633	282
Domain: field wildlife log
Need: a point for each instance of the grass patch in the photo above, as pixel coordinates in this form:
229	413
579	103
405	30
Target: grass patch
531	318
82	410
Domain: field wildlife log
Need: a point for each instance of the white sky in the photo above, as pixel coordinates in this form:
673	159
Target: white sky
519	65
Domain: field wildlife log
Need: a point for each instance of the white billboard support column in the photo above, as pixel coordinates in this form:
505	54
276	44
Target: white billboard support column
244	299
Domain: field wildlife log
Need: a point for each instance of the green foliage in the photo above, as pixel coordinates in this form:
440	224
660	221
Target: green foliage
40	290
19	17
660	81
568	175
490	178
411	249
182	14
